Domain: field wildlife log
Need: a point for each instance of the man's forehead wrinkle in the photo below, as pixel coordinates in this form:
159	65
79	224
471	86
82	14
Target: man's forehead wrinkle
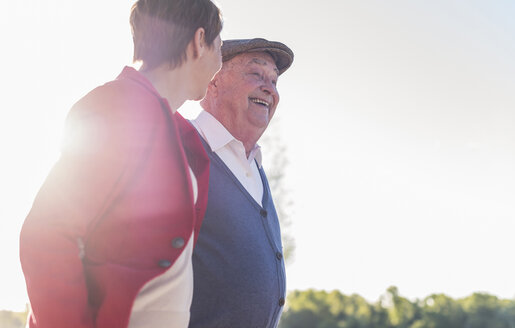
262	62
257	61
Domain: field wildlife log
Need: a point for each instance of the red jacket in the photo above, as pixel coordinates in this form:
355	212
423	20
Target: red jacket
116	210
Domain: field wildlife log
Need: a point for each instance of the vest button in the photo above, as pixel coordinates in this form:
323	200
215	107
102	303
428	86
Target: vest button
281	301
279	256
263	213
178	242
164	263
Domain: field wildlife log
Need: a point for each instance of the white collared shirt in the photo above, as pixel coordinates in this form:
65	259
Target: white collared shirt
232	152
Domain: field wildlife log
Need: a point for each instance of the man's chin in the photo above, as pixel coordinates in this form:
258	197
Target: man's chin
259	117
260	122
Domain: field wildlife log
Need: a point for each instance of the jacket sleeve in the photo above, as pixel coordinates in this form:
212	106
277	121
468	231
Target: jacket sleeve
76	193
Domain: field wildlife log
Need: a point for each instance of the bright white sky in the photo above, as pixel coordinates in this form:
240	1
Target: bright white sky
398	118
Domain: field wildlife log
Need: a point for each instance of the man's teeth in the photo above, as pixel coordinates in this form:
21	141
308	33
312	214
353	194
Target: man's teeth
259	101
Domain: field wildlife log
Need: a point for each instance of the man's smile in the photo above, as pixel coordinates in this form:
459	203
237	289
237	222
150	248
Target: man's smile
260	102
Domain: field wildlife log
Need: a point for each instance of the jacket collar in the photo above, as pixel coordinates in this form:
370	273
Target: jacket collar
132	74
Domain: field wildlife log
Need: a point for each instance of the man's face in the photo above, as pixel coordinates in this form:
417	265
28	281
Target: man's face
246	93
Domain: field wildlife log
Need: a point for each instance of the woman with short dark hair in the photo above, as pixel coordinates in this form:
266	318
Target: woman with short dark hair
109	239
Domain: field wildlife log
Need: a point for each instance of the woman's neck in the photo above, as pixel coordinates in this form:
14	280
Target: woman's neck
171	84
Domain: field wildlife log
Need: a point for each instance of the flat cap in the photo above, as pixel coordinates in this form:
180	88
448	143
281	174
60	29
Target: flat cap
282	55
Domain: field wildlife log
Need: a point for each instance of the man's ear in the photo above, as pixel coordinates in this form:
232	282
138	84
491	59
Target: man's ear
199	43
213	85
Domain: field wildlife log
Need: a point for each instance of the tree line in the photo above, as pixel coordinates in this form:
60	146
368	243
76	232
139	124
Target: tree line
321	309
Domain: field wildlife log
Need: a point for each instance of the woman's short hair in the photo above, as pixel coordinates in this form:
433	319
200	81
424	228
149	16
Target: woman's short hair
162	29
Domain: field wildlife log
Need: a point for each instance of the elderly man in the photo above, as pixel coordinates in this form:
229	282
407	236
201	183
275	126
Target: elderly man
238	266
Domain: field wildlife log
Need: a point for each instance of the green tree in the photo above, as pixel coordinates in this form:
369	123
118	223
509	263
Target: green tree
485	310
308	309
402	313
10	319
320	309
440	311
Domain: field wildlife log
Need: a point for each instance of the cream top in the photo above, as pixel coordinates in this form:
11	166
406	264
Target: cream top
165	300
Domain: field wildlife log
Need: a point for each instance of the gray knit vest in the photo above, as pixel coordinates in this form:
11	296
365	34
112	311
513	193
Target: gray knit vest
238	267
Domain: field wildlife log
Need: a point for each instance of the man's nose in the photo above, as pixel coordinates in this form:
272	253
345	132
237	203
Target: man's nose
268	87
265	89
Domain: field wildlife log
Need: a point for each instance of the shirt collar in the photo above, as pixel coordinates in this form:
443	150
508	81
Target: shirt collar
217	136
255	153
